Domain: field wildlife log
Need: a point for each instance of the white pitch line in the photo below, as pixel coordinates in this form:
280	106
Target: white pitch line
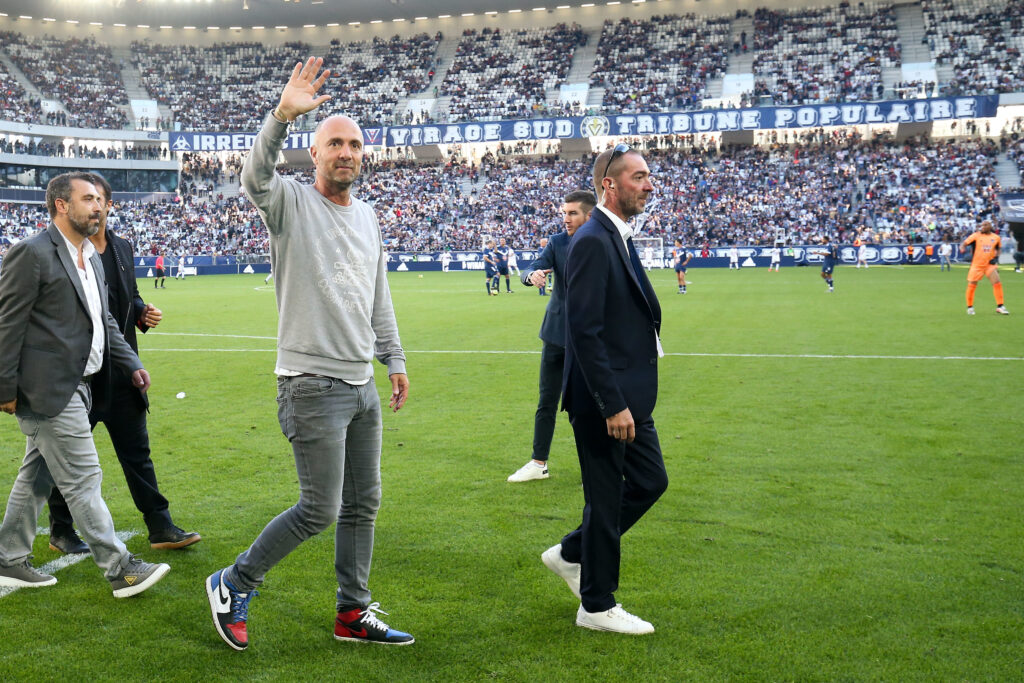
64	561
841	357
498	352
197	334
806	356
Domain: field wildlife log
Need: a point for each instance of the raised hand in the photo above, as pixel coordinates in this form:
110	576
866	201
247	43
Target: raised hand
299	95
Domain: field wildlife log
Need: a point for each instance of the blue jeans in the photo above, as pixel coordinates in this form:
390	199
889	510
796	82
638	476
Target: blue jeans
335	432
60	450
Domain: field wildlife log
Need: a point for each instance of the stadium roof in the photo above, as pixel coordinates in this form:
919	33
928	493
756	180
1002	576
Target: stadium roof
226	13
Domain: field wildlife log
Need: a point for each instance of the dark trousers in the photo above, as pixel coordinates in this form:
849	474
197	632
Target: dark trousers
125	421
552	359
620	483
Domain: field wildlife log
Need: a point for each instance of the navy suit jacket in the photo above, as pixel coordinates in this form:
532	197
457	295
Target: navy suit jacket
611	358
552	329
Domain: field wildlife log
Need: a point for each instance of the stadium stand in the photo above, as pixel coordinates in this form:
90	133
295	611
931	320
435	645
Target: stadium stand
223	87
506	74
981	41
15	104
824	54
375	75
81	74
798	191
230	86
660	64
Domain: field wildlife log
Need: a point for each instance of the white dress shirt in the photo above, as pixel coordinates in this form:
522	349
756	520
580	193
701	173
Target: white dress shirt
624	230
91	284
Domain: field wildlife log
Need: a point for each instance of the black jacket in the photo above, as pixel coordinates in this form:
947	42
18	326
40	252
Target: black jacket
127	309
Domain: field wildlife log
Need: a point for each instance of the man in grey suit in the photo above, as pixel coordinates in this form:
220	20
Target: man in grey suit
576	210
55	336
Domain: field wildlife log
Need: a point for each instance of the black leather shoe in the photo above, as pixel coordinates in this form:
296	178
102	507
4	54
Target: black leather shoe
172	538
69	544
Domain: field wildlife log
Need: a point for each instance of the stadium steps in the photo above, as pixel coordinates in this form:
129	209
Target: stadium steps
595	97
584	59
743	63
30	88
1007	172
443	58
910	24
440	110
944	73
891	75
132	79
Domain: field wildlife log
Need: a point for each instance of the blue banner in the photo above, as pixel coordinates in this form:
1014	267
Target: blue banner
171	260
1011	207
669	123
681	123
206	141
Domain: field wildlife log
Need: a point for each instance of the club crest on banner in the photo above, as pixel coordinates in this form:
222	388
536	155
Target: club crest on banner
595	126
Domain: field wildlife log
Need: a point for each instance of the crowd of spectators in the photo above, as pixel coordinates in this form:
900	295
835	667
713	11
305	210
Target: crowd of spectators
15	105
799	189
82	151
506	74
81	73
824	54
981	41
375	75
811	54
231	86
660	64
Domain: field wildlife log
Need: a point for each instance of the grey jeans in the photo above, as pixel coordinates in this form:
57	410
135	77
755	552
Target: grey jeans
335	432
60	450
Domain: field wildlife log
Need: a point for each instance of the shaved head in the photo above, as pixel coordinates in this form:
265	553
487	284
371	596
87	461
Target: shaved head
337	153
332	120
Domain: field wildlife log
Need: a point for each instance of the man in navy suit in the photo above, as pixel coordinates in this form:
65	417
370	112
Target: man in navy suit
609	389
576	210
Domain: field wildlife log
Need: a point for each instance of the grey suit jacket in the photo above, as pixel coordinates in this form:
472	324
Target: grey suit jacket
552	329
45	328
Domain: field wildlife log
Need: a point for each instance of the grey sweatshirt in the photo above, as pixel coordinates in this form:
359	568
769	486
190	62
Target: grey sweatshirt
330	273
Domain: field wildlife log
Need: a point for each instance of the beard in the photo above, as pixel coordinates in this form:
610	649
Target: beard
635	206
336	180
87	227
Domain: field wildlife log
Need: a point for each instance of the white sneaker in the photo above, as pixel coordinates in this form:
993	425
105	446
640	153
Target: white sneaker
529	471
1001	310
970	310
616	619
570	571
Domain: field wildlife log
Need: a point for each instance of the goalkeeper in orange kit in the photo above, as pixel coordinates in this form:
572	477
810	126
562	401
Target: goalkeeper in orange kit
986	245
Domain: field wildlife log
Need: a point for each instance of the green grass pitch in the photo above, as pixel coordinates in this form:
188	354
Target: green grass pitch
844	503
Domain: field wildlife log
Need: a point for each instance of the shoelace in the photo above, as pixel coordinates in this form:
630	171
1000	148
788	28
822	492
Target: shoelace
370	619
240	604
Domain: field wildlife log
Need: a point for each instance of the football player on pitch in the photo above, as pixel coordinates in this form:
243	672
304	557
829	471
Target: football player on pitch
986	245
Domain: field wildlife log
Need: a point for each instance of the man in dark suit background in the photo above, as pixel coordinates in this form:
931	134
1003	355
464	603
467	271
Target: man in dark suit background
123	411
576	208
56	335
609	390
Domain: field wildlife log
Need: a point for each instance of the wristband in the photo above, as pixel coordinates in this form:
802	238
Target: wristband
280	117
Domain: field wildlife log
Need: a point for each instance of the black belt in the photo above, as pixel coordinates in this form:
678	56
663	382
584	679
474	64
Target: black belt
88	378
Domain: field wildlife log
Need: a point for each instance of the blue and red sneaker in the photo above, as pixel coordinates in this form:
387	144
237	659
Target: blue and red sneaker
230	608
363	626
